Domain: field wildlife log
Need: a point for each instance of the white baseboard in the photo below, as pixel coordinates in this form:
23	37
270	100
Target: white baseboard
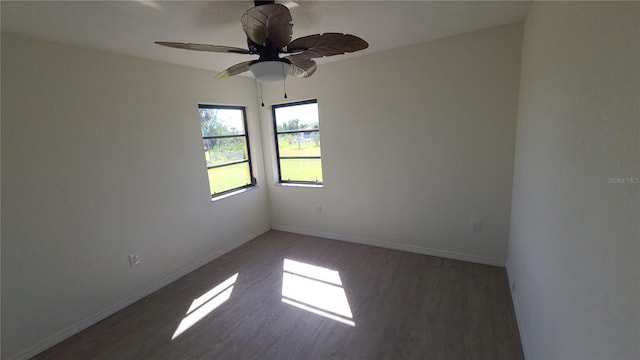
395	246
516	309
103	314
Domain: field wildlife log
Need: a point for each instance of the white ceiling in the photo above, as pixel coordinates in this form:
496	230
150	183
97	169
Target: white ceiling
131	27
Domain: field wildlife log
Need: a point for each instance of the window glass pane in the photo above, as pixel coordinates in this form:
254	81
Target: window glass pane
301	169
299	144
225	143
229	177
217	122
297	117
297	135
225	150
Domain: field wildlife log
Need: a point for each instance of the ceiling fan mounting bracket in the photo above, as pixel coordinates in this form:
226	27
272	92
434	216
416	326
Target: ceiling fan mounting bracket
258	3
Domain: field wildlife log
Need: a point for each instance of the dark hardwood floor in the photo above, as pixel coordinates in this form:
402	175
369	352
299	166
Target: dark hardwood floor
402	306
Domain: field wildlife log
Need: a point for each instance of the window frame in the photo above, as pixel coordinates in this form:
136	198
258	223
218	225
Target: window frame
276	133
246	138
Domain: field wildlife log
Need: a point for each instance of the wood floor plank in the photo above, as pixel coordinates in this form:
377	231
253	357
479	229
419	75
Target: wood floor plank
404	306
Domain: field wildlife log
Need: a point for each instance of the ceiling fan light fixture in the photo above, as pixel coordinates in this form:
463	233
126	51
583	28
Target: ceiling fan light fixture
271	71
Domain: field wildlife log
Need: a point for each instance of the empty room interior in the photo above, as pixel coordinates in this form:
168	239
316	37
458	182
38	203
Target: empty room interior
475	193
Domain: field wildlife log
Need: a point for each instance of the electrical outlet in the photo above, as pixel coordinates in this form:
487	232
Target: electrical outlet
513	286
134	259
318	209
476	225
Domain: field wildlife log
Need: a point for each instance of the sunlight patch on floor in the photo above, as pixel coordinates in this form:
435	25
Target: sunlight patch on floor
315	289
205	304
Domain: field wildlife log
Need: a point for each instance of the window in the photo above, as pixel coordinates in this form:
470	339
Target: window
297	137
226	148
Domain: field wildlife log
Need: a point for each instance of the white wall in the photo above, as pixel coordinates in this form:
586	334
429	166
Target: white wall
416	142
574	245
102	157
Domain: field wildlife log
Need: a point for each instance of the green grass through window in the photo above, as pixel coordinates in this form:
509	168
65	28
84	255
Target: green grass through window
228	177
301	169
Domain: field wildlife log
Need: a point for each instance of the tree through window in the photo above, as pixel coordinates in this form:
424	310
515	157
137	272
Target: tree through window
226	148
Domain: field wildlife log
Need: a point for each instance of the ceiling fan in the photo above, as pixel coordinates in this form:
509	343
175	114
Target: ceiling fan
269	30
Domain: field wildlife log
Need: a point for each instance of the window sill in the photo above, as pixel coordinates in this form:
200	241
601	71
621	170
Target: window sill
239	191
300	185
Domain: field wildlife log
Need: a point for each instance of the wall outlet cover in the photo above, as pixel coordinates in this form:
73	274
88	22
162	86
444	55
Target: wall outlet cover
134	259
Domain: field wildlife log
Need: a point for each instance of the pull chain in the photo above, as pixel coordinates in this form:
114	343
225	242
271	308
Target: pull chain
284	81
261	96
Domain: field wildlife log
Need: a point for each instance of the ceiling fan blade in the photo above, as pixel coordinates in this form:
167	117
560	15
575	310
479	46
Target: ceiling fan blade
235	69
271	22
301	66
204	47
327	44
